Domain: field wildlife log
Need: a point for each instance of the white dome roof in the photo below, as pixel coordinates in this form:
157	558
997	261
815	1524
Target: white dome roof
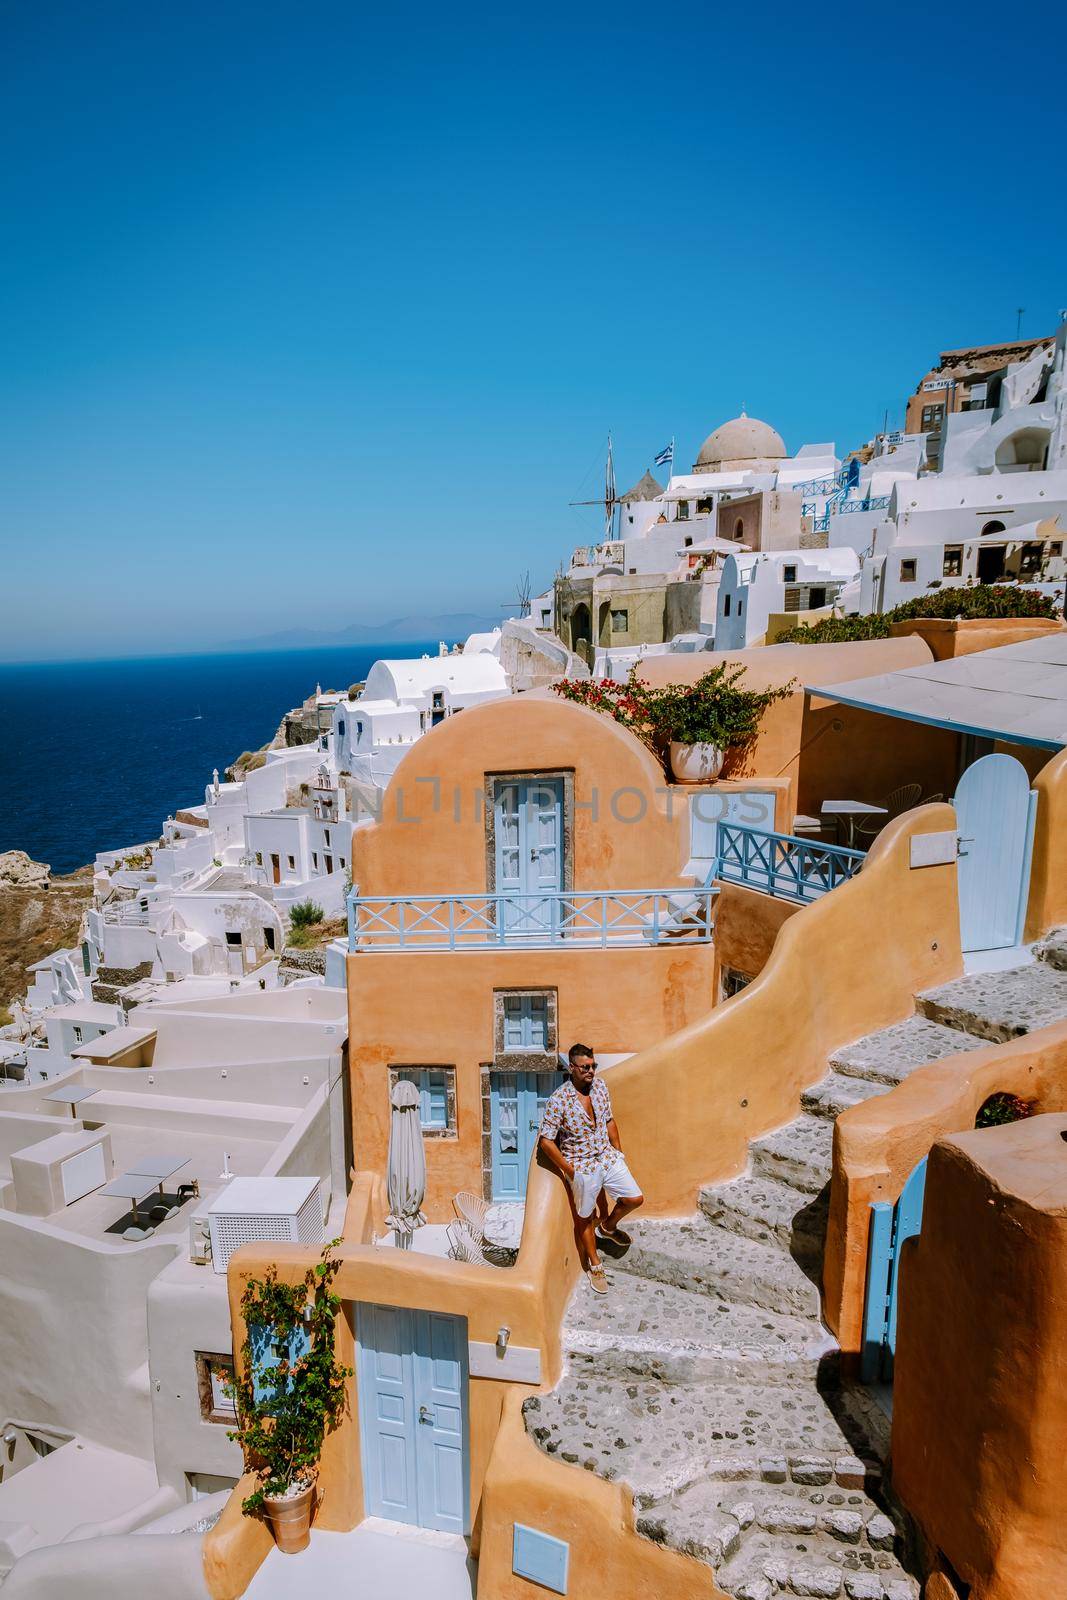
742	439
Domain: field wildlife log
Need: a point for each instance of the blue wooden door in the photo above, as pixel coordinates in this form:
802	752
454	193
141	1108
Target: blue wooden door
528	822
517	1101
414	1427
387	1412
995	812
441	1436
890	1227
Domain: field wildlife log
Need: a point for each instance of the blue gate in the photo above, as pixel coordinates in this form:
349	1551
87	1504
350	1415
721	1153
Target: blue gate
995	811
890	1226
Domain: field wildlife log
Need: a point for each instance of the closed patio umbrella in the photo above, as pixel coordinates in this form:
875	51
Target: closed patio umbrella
406	1174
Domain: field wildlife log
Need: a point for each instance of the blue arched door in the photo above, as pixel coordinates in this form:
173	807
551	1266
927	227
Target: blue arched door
995	811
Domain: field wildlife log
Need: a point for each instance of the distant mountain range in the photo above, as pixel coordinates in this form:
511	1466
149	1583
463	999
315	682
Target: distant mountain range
450	625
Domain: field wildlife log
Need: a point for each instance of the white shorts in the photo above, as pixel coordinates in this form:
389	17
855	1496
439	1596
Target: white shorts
614	1178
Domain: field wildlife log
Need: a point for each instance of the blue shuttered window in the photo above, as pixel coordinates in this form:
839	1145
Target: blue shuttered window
432	1084
526	1022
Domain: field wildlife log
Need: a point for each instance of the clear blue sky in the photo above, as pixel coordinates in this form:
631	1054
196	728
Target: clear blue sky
320	313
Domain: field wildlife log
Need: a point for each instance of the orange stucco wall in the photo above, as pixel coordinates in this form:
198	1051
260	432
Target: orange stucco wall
880	1141
1047	904
980	1405
630	828
828	751
688	1105
529	1299
427	1009
746	927
607	1555
848	964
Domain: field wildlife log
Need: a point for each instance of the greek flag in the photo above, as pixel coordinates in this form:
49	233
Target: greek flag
666	456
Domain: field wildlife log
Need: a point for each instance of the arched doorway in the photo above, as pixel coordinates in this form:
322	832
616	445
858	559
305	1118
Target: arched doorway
581	632
991	558
1025	451
604	624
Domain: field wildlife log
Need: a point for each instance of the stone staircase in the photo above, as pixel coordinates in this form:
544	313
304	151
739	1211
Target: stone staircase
705	1379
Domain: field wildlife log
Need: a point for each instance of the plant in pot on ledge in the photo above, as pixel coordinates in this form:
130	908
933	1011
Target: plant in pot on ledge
693	727
702	723
290	1391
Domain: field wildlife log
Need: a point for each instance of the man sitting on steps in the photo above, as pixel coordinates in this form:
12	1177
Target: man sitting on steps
579	1137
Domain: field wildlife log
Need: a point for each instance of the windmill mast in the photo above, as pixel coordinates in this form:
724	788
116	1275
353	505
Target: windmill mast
609	501
609	494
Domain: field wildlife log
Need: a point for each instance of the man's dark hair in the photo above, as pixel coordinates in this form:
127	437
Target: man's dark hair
577	1050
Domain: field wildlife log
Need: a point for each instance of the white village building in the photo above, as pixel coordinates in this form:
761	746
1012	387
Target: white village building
115	1338
981	500
403	699
757	584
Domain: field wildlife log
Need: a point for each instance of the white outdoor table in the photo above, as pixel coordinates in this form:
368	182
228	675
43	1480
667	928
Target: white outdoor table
72	1095
850	810
132	1186
503	1224
159	1167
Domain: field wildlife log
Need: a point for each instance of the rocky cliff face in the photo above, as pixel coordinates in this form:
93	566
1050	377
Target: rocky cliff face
38	914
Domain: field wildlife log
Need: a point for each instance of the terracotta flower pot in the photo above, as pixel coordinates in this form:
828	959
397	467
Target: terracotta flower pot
290	1519
696	763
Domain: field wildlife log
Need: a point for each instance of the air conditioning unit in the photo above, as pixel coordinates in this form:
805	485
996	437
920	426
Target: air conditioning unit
252	1210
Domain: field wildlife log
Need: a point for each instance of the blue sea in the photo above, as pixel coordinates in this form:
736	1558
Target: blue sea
95	754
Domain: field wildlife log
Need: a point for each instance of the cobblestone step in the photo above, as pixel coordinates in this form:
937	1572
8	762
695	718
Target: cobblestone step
646	1329
770	1213
1000	1005
704	1259
660	1438
888	1056
753	1537
1053	949
837	1093
799	1154
761	1578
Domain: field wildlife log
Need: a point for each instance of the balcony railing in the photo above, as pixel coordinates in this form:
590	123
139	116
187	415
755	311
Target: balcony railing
820	486
606	919
876	503
127	913
839	505
781	865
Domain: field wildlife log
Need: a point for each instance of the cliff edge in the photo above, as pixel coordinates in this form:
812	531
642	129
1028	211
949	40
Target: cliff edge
38	914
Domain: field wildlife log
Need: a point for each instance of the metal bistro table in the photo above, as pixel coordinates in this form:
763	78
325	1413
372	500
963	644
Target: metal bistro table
851	811
72	1095
159	1167
131	1186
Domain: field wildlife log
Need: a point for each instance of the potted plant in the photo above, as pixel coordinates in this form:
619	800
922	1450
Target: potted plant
693	727
290	1391
702	723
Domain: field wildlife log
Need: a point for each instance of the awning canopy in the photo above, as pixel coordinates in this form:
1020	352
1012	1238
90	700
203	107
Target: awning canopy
711	546
1017	693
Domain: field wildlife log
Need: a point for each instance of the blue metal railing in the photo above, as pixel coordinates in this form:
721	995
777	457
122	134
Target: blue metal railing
879	503
825	485
601	919
840	504
781	865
